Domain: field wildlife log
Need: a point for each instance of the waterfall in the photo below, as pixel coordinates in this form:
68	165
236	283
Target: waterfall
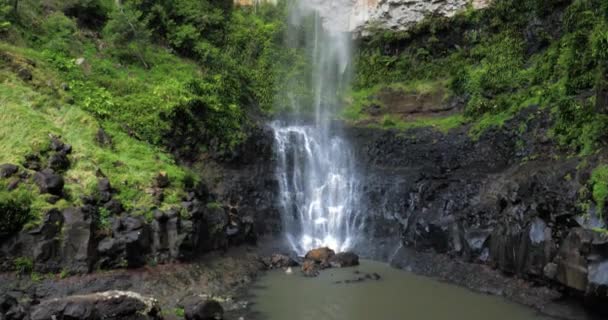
317	175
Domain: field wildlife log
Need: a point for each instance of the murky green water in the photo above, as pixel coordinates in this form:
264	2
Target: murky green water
397	295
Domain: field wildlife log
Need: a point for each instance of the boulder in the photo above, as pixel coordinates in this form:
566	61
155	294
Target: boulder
310	268
97	306
103	185
128	245
162	180
49	182
103	138
59	162
32	162
202	309
344	259
279	261
320	255
8	170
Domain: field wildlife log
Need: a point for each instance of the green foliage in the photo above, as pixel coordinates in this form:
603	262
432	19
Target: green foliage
129	34
24	265
599	185
442	124
502	64
180	312
5	11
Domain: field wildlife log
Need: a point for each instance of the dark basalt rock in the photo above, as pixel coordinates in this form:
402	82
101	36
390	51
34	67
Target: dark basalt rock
49	182
78	240
103	138
59	161
105	305
7	170
344	259
203	309
162	180
278	261
32	162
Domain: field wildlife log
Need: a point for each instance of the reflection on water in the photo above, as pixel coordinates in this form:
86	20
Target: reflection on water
397	295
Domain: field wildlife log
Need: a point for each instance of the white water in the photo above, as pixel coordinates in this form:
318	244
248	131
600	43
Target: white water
318	179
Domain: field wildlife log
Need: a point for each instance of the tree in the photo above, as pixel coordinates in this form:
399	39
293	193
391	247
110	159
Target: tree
128	33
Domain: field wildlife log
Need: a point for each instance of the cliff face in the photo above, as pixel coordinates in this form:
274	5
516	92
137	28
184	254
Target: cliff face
402	15
507	200
358	15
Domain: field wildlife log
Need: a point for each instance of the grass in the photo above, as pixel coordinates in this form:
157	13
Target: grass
33	111
358	100
442	124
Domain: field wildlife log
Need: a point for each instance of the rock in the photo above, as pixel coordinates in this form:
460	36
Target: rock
204	310
128	246
105	305
162	180
49	182
279	261
114	206
550	271
13	184
8	170
78	238
59	162
320	255
25	74
310	268
344	259
103	185
32	162
103	138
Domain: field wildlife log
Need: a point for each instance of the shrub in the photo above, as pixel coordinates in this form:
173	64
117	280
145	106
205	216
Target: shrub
16	211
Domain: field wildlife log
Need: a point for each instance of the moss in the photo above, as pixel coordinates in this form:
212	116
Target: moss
24	265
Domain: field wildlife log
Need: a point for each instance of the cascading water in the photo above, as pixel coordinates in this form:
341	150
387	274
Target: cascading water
318	180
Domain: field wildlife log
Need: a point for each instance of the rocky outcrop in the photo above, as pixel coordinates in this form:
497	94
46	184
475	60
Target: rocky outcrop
402	15
104	305
203	309
318	259
506	200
